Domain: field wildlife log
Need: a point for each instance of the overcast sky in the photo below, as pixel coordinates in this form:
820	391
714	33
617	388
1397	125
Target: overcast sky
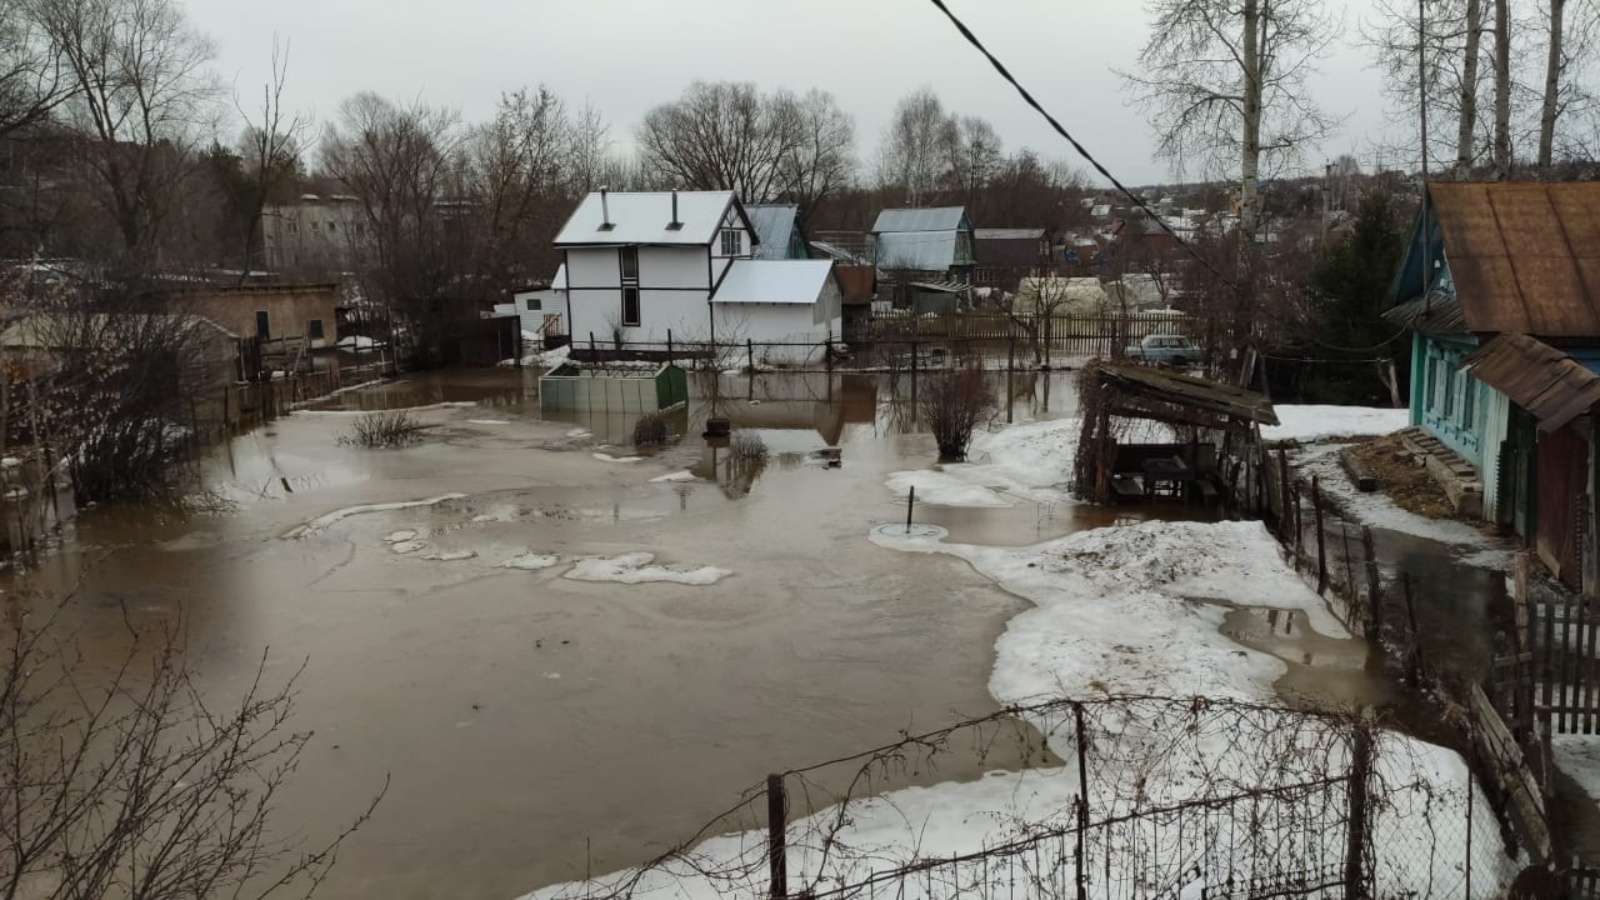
629	55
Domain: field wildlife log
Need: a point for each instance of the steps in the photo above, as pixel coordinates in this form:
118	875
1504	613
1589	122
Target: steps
1460	479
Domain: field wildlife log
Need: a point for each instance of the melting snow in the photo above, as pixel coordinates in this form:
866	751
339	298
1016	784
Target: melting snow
408	546
531	562
396	537
451	555
675	476
606	457
1377	510
488	422
635	568
323	521
1315	423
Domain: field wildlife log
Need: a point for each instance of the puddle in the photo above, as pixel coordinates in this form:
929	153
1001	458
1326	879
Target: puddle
1323	670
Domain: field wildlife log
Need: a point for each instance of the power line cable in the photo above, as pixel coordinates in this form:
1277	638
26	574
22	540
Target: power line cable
1060	129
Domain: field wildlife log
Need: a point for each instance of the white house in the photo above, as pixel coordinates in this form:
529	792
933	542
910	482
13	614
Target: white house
643	268
542	310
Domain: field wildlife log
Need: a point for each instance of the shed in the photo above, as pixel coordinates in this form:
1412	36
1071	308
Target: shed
613	390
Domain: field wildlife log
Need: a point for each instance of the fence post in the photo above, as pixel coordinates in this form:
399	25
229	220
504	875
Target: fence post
1083	802
1322	543
1374	588
777	827
750	354
1355	887
1285	517
1414	654
669	345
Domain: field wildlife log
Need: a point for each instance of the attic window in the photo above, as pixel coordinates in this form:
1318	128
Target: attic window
731	244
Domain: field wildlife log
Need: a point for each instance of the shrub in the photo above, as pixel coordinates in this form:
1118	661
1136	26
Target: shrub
652	430
384	430
954	403
747	446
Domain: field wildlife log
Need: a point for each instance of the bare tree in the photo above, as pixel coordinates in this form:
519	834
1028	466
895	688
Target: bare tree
1467	113
975	158
917	148
591	151
33	79
517	178
720	136
954	403
1430	53
820	159
124	780
270	150
141	92
1225	81
401	163
1570	31
1502	88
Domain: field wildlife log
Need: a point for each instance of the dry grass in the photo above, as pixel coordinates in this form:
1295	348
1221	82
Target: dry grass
1402	479
384	430
652	430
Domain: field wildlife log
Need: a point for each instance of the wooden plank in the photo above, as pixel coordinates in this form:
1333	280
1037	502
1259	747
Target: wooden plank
1586	661
1510	770
1547	671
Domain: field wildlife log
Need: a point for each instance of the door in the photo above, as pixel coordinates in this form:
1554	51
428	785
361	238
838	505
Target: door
262	331
1563	479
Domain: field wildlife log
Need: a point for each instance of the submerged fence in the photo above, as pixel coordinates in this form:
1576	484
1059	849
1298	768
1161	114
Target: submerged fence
1114	798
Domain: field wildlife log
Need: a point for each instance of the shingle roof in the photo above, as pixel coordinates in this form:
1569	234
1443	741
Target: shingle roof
1524	256
774	224
774	281
941	218
642	218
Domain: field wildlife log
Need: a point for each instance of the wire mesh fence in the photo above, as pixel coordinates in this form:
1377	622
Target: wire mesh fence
1116	798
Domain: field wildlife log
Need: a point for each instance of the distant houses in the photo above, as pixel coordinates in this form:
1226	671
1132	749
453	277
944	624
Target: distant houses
1499	287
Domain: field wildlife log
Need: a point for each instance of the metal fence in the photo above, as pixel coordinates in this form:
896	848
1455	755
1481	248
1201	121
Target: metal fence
1117	798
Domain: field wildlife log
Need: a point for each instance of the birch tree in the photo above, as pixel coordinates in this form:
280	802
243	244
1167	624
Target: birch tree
1430	54
1502	88
270	150
1225	84
918	145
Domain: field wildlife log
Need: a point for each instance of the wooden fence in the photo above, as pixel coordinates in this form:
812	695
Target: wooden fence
1100	336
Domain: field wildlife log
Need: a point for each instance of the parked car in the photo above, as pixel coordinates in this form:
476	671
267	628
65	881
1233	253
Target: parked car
1166	349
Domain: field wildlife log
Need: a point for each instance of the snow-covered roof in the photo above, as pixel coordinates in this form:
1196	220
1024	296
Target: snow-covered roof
774	224
930	251
643	218
837	253
940	218
774	281
559	283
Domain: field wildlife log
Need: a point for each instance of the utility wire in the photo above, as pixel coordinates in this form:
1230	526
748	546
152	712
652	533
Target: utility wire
1060	129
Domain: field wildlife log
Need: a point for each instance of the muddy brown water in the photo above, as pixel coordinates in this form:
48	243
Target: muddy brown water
538	728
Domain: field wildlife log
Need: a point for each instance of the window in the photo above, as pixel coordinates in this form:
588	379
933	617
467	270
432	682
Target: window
533	304
315	329
630	306
731	243
630	264
332	227
262	331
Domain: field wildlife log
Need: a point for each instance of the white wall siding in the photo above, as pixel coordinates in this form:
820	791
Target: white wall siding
673	267
1496	429
777	323
593	268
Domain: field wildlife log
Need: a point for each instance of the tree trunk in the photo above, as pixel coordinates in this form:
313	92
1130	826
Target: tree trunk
1250	144
1502	88
1552	89
1469	90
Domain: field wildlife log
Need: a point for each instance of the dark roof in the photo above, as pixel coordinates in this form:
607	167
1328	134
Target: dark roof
1524	256
1018	247
1162	396
856	283
1436	312
1551	385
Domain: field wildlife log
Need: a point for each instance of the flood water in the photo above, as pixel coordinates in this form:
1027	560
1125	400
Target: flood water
537	728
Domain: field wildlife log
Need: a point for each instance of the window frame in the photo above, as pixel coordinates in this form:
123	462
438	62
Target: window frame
633	322
532	304
314	330
624	255
737	240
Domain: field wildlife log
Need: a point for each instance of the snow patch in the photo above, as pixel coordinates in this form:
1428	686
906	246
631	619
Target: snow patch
531	562
1578	755
1317	423
324	521
941	488
395	537
1378	510
636	568
606	457
450	555
675	476
405	547
488	422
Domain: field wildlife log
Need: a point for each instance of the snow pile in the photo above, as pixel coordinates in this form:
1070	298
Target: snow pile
359	343
1029	462
606	457
322	522
1316	423
674	476
488	422
636	568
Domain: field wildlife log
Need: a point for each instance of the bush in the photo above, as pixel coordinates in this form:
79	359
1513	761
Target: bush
954	403
384	430
652	430
747	446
